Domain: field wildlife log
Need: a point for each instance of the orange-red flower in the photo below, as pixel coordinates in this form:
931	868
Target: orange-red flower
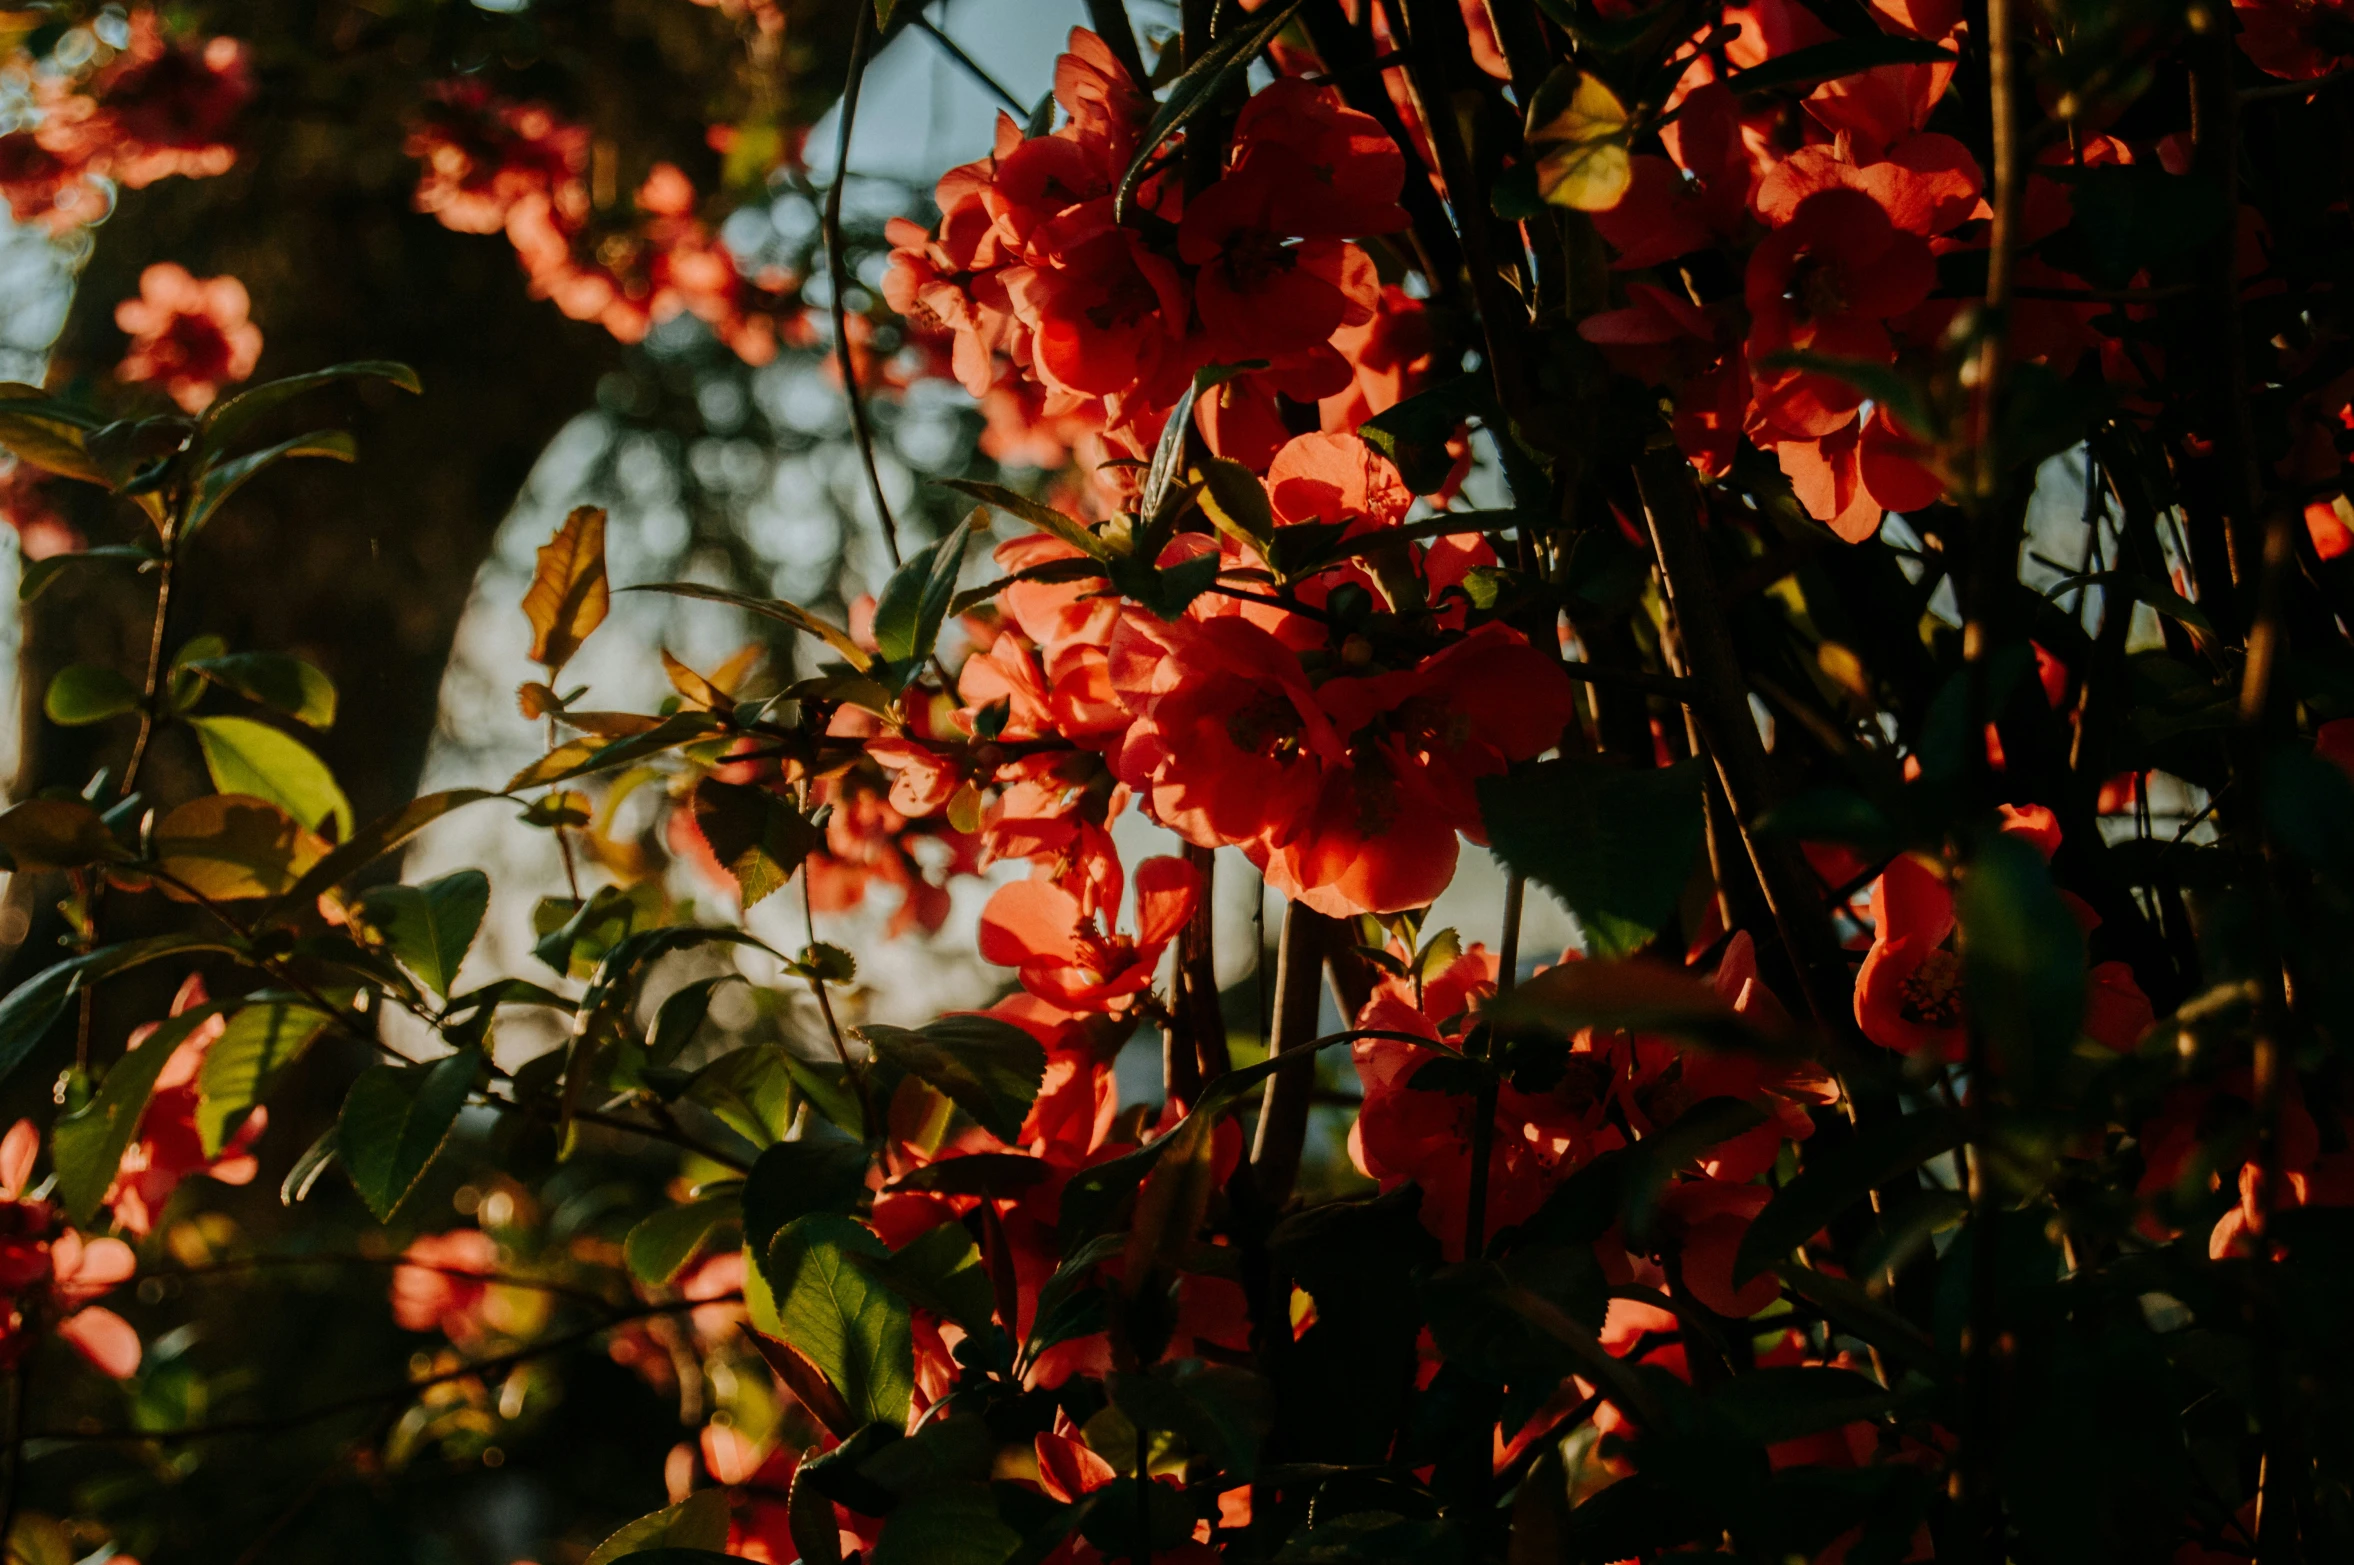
168	1147
1066	956
189	336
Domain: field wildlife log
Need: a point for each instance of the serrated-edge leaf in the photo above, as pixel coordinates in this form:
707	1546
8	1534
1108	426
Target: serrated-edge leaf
396	1120
661	1244
431	927
698	1522
853	1329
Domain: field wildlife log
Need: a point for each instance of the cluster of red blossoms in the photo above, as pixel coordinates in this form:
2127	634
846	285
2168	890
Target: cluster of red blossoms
493	166
155	107
1062	313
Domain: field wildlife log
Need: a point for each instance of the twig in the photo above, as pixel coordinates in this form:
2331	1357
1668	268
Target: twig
672	1134
838	272
825	1006
2272	90
972	67
1283	1111
409	1388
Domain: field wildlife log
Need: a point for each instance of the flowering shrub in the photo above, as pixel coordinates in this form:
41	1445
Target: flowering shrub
1932	1148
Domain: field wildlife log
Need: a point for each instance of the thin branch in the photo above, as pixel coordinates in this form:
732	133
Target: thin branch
971	66
401	1392
838	272
1283	1111
2303	89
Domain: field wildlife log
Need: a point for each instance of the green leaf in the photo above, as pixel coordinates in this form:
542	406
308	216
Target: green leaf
1615	844
245	1061
250	757
30	1009
769	608
793	1180
757	836
1221	1411
1043	517
396	1120
430	927
1774	1403
750	1091
940	1270
307	1169
370	843
1414	433
681	1017
220	482
698	1522
1638	995
914	602
1224	64
88	1146
986	1066
579	757
52	445
85	693
852	1328
1833	1181
277	680
1824	62
659	1247
38	574
2023	973
230	417
951	1524
53	834
1236	502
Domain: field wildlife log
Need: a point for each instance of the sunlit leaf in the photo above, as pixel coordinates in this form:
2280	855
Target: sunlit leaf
87	693
248	756
1581	145
245	1061
852	1328
226	847
430	927
568	595
88	1145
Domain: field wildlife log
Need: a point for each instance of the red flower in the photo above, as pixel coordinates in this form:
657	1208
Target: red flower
1105	316
1825	282
50	1275
169	1147
159	108
2296	39
189	335
1064	955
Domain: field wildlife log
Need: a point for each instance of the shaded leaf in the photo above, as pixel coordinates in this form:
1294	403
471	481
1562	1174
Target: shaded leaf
430	927
915	600
1615	844
1640	996
88	1145
227	847
372	842
757	836
220	482
1831	1182
277	680
228	418
30	1009
1824	62
952	1524
697	1523
750	1091
659	1247
579	757
794	1179
1224	64
851	1328
86	693
396	1120
55	834
1043	517
988	1067
940	1270
38	574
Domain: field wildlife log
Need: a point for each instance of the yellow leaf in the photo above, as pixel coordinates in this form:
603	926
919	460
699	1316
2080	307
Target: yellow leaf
1583	163
226	846
568	595
704	695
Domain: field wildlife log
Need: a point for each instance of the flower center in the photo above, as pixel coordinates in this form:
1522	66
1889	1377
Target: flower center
1932	992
